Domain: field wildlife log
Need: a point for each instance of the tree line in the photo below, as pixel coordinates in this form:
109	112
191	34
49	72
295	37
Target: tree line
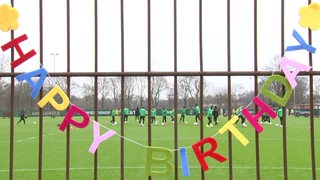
136	95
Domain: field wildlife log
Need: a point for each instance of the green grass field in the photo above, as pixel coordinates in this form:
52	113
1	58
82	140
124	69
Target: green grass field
26	140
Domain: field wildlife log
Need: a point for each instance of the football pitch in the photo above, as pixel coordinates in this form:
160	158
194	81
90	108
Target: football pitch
26	148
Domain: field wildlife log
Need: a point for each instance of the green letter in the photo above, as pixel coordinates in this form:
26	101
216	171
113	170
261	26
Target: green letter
288	89
153	160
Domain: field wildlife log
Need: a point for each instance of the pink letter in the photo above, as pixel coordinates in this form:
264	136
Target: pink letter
210	152
298	67
68	118
97	139
15	43
254	119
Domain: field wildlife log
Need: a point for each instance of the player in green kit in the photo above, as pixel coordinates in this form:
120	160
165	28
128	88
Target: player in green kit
113	114
197	110
126	114
172	115
209	116
153	115
164	117
280	115
142	113
183	112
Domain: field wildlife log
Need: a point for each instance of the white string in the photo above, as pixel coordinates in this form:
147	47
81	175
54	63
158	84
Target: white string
138	143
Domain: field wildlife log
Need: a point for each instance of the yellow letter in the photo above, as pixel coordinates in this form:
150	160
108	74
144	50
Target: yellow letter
229	125
49	98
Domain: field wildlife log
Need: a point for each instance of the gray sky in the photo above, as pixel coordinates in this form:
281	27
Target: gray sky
162	53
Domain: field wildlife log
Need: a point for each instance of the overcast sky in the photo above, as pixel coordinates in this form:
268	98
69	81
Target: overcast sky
162	52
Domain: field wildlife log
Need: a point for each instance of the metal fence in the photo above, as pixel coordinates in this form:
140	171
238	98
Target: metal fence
228	73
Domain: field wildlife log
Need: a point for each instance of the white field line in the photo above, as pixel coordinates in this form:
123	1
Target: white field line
143	167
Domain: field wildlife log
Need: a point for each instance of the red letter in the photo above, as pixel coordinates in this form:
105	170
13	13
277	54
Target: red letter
15	43
210	152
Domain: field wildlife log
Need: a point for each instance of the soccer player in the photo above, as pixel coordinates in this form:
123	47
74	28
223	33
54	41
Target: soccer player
241	116
142	113
153	115
197	110
164	116
280	115
183	114
22	117
113	114
209	116
126	114
266	118
136	113
172	115
215	115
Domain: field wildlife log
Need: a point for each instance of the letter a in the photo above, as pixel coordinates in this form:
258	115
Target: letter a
35	86
298	67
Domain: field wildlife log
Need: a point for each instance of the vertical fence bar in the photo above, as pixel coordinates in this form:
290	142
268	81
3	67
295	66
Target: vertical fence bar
41	94
149	77
95	161
11	174
68	92
312	143
201	79
255	62
122	91
229	89
284	130
175	131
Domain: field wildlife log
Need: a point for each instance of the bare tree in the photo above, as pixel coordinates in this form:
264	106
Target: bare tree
88	94
115	90
158	86
170	95
104	88
4	65
184	88
194	89
129	90
221	97
316	91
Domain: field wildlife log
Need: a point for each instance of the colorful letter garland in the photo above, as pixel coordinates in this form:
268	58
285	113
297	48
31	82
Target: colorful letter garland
310	16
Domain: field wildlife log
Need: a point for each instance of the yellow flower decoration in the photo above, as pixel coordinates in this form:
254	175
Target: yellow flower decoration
310	16
8	18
